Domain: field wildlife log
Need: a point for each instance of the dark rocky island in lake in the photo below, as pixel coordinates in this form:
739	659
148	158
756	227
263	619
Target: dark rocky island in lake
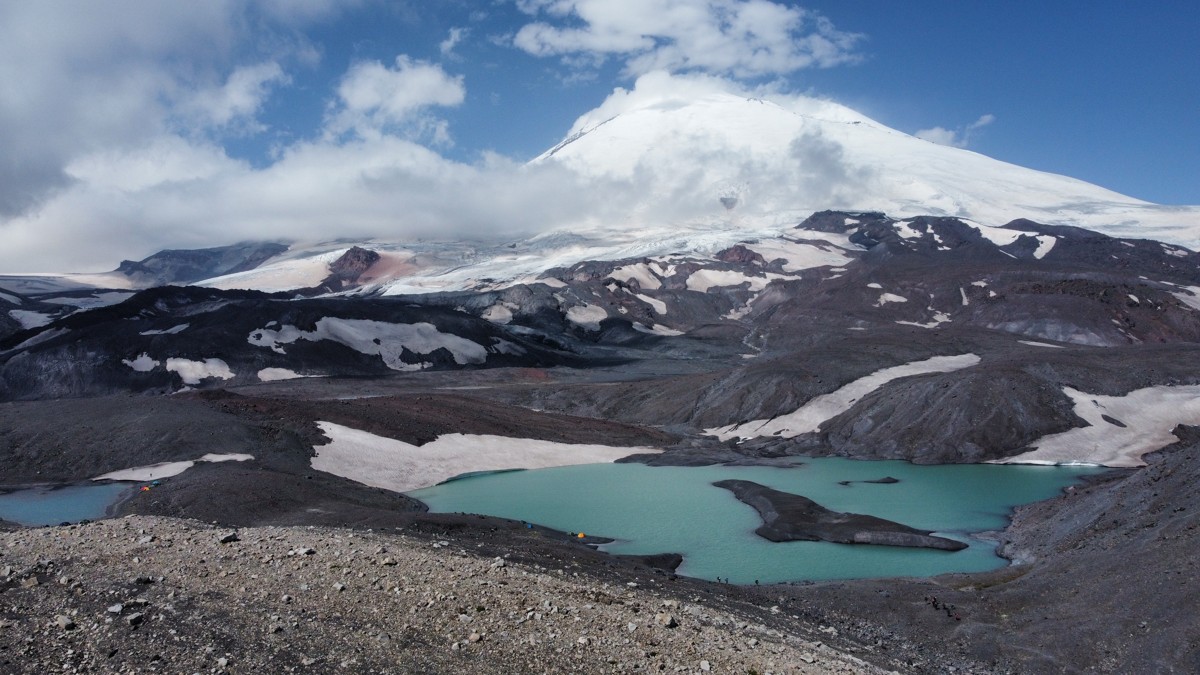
789	517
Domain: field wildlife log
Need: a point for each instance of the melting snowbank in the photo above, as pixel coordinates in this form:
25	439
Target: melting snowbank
395	465
811	415
1123	428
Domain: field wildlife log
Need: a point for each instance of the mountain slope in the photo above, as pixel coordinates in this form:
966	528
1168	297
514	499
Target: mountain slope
722	157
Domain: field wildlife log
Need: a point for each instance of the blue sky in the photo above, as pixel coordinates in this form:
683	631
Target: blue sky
114	114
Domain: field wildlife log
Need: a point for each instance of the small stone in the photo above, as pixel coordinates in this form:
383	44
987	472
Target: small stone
31	582
64	622
275	628
705	666
665	620
135	619
115	609
584	641
287	599
474	637
339	587
753	642
222	662
307	661
146	539
807	657
455	647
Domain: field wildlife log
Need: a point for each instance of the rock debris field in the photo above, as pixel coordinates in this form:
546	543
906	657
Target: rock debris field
148	594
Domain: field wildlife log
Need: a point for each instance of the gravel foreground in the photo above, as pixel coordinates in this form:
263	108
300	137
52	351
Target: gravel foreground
150	594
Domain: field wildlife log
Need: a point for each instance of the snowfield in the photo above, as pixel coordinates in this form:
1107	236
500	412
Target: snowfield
1143	418
811	415
386	340
395	465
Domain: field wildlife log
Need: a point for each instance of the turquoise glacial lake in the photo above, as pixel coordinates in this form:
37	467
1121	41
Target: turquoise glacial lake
677	510
34	507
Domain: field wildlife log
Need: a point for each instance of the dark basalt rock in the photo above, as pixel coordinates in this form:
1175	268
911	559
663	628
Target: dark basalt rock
886	480
789	517
184	266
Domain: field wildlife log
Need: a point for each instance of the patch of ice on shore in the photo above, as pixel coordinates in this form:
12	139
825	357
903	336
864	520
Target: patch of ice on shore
169	469
191	372
1148	416
395	465
811	415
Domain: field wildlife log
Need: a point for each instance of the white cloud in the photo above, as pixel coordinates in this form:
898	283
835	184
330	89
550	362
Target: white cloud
374	99
237	100
452	40
742	38
955	138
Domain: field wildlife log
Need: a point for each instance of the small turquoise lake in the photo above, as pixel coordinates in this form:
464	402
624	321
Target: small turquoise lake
677	510
38	506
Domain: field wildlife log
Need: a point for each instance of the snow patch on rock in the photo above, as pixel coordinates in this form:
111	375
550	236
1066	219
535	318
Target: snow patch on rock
169	469
642	273
797	256
1146	418
386	340
811	415
659	306
173	330
191	372
277	374
587	316
30	319
142	364
890	297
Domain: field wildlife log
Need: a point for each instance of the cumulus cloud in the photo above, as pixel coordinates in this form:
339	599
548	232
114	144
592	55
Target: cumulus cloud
742	38
374	99
955	138
82	77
